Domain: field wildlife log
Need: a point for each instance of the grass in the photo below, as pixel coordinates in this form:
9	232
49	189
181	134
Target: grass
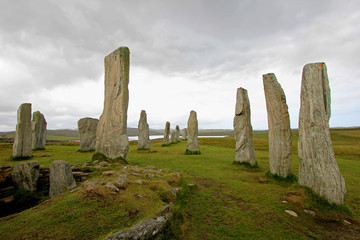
230	201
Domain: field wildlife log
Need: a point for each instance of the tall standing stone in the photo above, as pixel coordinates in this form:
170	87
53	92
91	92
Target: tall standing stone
192	134
111	134
166	133
280	152
172	138
184	134
22	147
38	131
143	128
87	132
318	168
177	133
244	148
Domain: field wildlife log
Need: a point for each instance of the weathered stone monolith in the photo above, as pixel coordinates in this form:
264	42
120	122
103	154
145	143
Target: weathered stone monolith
318	169
111	134
280	153
184	134
61	177
172	138
26	175
166	133
244	148
87	132
192	134
22	147
38	131
143	128
177	133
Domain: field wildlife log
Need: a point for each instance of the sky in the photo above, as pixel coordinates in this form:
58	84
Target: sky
184	55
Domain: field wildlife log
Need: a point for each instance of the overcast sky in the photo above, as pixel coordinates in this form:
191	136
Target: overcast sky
184	55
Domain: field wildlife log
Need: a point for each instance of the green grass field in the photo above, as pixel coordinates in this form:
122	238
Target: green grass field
231	201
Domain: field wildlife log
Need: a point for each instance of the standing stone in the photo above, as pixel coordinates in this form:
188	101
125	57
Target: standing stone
111	134
318	168
143	128
177	133
172	139
192	134
244	148
166	133
26	175
61	178
184	134
280	152
87	132
38	131
22	144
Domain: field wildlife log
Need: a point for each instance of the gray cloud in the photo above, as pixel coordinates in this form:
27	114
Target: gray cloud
51	44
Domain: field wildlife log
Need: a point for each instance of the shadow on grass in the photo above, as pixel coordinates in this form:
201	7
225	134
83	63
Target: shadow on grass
324	205
188	152
173	228
289	179
246	164
20	158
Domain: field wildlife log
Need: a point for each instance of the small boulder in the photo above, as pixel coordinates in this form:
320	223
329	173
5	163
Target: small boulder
61	178
111	186
25	175
108	173
310	212
292	213
122	183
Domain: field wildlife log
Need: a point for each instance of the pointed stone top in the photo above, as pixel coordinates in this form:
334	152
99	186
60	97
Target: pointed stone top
142	113
239	107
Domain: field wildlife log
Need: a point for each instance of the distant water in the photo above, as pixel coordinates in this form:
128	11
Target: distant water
152	137
135	138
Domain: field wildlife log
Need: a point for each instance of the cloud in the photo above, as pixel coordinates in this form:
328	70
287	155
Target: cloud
184	55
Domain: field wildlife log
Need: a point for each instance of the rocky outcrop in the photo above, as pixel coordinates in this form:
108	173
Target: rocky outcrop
87	132
26	175
143	128
244	148
38	131
61	178
166	133
280	153
177	133
22	147
184	134
147	229
192	134
318	169
111	134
